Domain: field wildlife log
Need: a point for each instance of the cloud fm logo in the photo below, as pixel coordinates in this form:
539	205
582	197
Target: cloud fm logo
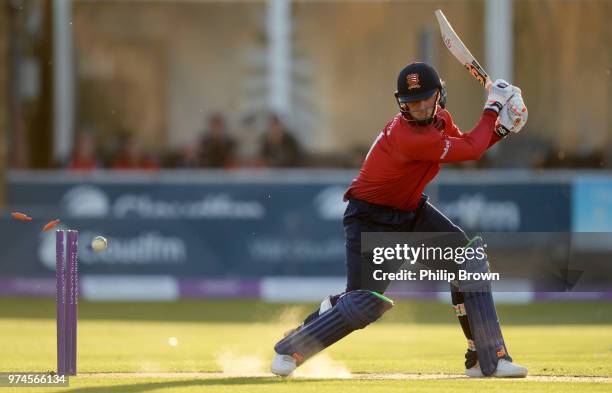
86	202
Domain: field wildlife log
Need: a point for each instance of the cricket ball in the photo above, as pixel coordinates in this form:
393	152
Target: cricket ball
99	243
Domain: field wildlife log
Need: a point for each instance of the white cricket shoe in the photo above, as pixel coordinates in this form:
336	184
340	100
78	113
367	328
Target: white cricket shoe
505	369
282	365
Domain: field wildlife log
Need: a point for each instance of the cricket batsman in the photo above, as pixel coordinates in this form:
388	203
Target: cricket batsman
387	196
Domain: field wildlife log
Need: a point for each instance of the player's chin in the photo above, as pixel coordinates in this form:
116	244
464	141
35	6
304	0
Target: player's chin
419	117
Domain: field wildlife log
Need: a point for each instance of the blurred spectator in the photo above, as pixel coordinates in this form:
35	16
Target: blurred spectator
185	155
188	156
217	146
84	153
278	147
133	156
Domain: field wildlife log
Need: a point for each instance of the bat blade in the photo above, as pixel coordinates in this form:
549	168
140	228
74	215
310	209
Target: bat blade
460	51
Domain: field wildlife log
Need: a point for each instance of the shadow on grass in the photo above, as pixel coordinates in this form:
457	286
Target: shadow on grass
187	383
224	311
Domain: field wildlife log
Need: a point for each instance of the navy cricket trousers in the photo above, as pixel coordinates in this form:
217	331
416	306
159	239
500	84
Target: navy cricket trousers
361	216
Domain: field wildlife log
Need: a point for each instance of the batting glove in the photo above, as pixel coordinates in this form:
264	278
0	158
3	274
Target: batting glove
499	93
513	116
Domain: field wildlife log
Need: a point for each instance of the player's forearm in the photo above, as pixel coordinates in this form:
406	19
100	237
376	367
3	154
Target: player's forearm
494	139
482	134
473	144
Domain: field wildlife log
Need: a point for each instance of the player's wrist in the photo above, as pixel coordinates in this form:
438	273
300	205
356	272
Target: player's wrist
490	112
501	131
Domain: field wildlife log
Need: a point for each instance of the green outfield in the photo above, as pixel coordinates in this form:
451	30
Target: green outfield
225	346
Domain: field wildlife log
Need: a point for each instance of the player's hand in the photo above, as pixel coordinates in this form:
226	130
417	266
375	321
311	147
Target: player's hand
513	115
499	93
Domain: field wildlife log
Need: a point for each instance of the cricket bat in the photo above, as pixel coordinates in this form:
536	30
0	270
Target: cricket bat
460	51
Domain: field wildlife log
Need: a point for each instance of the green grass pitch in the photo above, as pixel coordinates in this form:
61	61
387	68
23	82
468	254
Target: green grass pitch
226	346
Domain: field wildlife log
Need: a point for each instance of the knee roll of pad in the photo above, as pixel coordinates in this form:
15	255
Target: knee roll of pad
354	310
360	308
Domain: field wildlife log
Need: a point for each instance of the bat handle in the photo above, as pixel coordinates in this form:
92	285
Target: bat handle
488	83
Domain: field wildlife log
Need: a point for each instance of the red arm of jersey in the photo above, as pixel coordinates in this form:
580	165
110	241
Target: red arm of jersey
434	146
453	130
494	139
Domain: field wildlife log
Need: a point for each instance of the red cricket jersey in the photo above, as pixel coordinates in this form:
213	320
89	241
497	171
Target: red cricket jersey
405	157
